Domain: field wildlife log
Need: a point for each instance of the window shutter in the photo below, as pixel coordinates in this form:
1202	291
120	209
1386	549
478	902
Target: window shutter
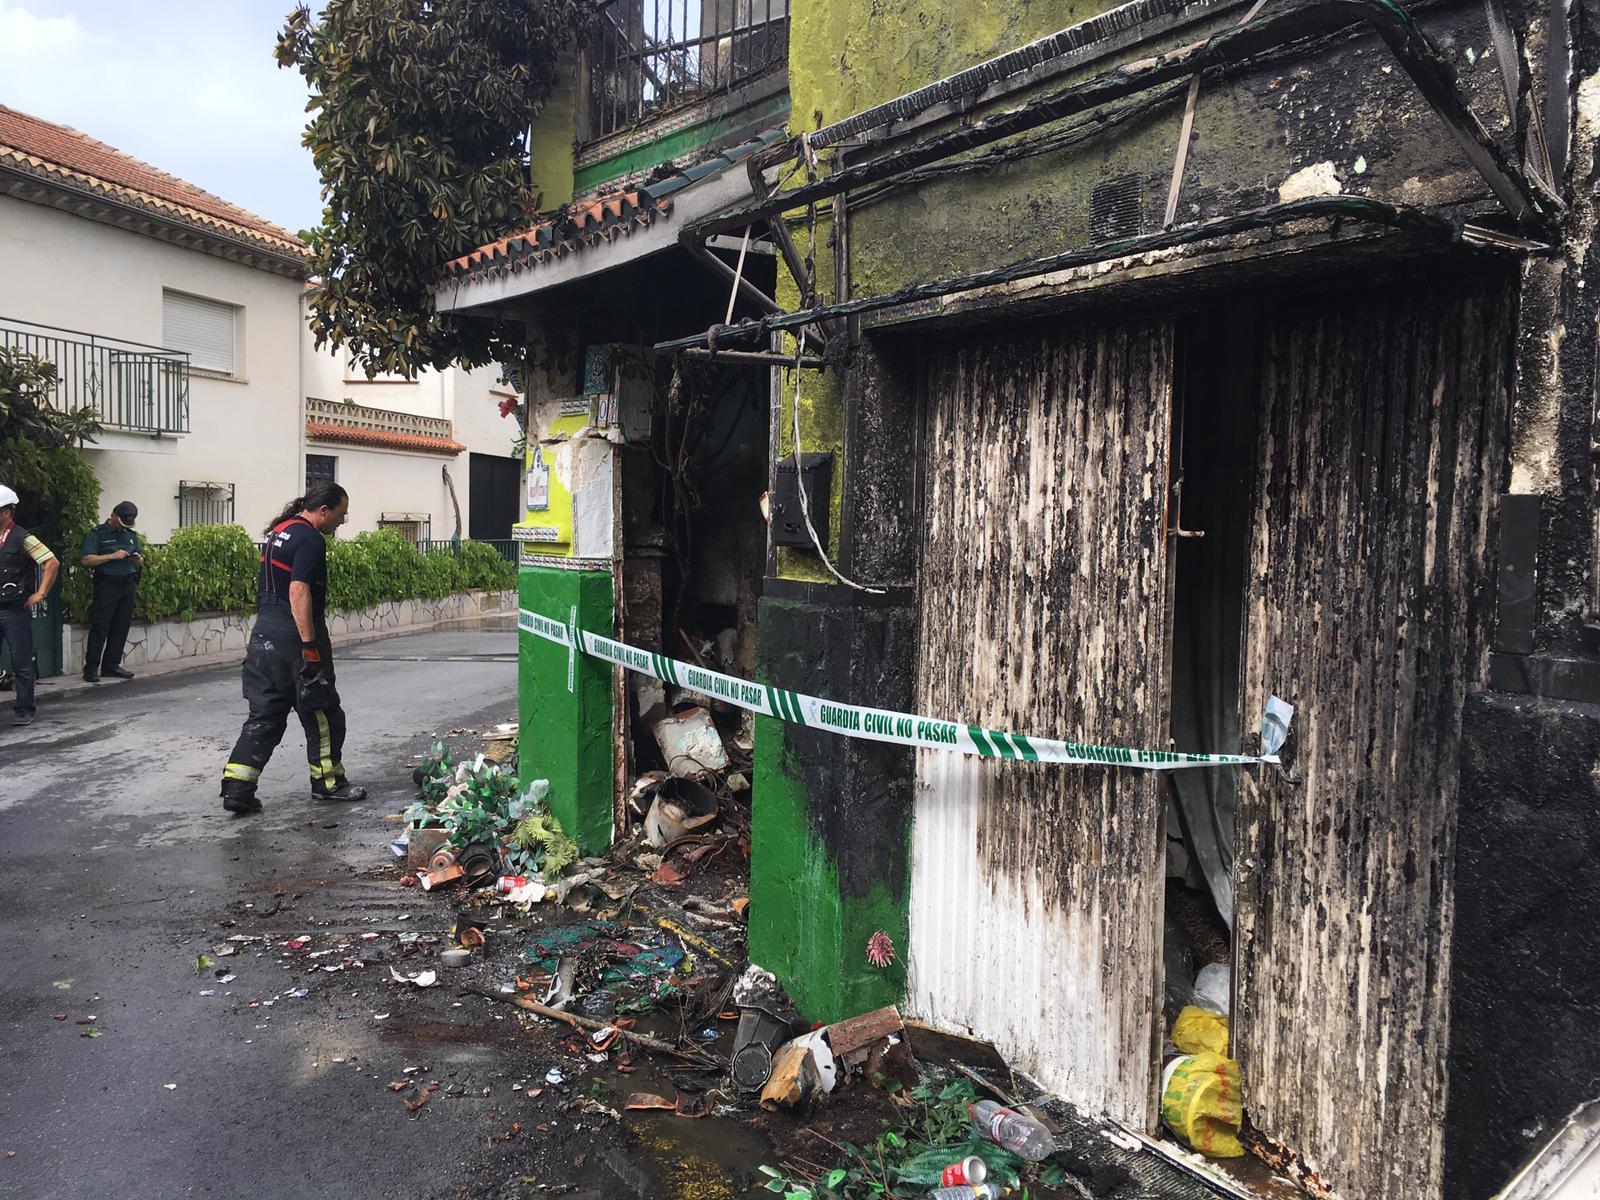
204	328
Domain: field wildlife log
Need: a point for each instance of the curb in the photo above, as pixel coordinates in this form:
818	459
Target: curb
65	685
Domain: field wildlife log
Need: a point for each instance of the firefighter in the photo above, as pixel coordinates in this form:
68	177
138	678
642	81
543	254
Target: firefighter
288	664
27	573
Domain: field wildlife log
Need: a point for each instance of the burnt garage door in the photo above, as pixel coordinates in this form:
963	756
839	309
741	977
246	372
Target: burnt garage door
1379	459
1036	890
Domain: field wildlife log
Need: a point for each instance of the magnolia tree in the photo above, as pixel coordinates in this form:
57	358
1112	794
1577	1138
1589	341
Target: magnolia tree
419	129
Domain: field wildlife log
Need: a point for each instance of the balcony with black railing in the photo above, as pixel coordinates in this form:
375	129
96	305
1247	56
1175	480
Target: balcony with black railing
651	58
131	386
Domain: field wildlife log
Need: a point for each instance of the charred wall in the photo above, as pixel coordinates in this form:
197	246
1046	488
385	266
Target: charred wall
1524	1051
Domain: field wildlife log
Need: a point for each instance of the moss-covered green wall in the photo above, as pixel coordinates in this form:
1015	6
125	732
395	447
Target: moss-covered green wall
550	141
847	55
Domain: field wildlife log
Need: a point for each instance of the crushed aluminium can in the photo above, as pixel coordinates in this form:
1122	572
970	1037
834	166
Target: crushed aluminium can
971	1169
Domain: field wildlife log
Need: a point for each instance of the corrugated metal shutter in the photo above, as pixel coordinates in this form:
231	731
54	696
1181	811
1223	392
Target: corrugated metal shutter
1036	891
1369	604
205	328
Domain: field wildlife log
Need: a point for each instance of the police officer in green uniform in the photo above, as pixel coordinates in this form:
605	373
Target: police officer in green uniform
112	550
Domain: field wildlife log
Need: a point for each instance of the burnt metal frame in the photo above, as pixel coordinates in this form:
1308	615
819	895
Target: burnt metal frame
1525	198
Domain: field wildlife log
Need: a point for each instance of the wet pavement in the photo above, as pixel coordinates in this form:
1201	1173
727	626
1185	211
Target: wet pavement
120	867
294	1065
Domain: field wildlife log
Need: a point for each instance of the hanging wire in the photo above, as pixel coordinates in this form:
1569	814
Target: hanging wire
799	353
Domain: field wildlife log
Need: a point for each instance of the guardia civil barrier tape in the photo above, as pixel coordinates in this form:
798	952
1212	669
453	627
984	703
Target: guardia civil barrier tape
885	725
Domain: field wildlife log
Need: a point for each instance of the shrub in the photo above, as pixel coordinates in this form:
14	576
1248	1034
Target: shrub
213	568
203	568
438	574
480	566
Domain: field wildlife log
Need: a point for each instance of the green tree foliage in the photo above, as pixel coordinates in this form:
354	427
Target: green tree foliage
40	457
421	111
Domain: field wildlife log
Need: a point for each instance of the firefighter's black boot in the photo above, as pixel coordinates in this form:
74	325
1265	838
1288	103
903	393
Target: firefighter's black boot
341	790
239	797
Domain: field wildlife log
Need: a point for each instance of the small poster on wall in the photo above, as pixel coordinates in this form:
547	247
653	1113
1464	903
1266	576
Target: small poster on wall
538	483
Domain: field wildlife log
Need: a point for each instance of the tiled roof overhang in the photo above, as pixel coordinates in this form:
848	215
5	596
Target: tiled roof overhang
64	163
597	234
417	443
587	223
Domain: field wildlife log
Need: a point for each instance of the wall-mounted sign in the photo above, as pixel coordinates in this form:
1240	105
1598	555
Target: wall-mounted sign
538	483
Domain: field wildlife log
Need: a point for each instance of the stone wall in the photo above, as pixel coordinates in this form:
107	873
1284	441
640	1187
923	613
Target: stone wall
152	642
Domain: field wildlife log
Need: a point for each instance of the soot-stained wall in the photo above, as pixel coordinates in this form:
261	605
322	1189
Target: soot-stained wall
1525	1000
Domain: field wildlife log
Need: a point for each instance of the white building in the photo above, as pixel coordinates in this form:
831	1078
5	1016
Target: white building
174	313
181	318
429	456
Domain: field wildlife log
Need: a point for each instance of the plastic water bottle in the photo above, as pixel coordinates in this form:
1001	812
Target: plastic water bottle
1019	1134
968	1191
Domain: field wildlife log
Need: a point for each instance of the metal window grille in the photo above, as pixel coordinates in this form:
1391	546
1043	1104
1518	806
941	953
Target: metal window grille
650	57
321	468
416	528
203	502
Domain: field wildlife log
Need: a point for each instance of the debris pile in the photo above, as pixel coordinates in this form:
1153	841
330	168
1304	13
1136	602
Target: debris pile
473	824
631	969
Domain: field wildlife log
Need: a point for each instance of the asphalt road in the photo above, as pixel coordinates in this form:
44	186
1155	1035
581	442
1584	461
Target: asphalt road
120	866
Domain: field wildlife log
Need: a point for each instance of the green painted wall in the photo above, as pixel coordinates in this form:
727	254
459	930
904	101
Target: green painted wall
550	140
680	143
845	55
565	736
802	928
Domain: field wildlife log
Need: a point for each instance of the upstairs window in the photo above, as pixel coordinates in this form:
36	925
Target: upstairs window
650	57
207	329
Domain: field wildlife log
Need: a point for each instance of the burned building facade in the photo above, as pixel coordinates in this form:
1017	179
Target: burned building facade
1144	361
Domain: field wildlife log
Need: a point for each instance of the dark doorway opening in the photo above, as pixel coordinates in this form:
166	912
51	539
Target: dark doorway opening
493	486
1218	381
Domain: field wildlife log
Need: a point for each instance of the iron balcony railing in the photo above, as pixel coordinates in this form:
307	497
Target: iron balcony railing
131	386
651	57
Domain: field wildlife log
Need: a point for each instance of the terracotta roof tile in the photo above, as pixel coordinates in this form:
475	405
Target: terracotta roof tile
354	435
59	152
584	223
601	218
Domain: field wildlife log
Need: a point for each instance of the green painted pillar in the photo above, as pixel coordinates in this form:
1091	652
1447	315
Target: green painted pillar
830	816
564	703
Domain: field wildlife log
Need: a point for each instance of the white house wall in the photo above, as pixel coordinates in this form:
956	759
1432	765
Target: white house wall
393	481
61	270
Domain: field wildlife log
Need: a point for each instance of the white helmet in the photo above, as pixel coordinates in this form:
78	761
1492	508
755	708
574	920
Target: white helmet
8	498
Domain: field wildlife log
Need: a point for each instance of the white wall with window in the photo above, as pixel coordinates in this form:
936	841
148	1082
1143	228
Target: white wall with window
406	489
245	422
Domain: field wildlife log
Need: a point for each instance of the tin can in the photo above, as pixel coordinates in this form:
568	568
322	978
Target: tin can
510	883
971	1169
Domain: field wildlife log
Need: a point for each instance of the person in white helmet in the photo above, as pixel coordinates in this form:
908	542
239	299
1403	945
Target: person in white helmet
27	573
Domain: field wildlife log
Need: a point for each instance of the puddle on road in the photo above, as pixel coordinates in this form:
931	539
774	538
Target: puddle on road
657	1154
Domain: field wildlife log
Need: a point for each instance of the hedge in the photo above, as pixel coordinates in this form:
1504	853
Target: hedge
212	568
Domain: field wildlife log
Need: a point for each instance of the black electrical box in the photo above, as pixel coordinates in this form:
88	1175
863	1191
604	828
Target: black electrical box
788	519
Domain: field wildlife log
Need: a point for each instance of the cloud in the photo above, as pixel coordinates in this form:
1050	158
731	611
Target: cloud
194	91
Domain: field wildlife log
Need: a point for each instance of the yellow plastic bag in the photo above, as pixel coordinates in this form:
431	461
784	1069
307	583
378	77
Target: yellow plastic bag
1200	1031
1201	1103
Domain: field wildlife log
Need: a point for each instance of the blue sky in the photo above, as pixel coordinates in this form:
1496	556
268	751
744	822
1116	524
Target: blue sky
189	86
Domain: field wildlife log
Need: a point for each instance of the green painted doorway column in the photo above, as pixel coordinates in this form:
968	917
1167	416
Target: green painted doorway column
564	704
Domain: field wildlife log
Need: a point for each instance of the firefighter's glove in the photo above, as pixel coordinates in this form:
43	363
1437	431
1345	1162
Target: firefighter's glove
315	689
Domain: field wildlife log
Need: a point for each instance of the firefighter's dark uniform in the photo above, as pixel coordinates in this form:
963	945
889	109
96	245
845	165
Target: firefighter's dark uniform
273	684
